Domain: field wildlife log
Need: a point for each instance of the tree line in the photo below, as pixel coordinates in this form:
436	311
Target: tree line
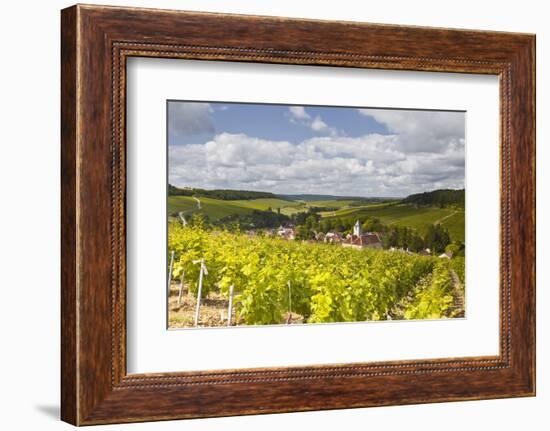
436	238
441	198
222	194
309	224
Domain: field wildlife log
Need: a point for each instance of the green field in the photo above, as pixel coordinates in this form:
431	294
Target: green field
302	206
455	225
332	203
264	204
418	218
215	209
348	211
291	207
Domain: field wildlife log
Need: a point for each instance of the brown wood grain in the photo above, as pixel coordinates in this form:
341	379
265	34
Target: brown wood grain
96	41
69	367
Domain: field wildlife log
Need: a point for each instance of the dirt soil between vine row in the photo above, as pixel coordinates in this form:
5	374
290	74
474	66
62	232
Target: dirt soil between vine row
213	311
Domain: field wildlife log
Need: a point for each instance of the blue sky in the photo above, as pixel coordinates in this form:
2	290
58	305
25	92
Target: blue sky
314	149
272	122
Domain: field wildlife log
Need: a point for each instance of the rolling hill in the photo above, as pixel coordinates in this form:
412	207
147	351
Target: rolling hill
409	215
217	209
416	211
223	194
214	208
333	198
441	198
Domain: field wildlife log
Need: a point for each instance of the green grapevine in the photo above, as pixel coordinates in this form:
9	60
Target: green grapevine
321	282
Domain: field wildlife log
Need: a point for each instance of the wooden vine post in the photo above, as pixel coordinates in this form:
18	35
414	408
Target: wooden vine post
203	271
170	272
180	293
289	318
230	306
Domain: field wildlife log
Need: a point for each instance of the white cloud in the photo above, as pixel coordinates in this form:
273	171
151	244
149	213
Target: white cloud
419	131
190	118
318	125
368	166
298	112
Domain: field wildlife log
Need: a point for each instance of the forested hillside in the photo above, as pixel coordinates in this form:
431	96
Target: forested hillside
441	198
226	195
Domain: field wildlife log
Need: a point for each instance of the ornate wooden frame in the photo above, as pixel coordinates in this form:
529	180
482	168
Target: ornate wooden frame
95	43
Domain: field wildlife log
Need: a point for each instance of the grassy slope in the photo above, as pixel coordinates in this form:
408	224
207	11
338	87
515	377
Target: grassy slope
214	208
455	225
264	204
403	214
291	207
332	204
346	211
408	215
217	208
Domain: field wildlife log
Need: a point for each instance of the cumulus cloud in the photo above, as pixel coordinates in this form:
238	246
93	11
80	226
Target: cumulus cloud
190	118
318	125
370	165
422	131
299	115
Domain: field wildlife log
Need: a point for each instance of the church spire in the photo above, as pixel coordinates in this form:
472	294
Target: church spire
357	230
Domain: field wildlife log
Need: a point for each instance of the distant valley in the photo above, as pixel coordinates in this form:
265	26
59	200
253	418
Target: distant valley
418	211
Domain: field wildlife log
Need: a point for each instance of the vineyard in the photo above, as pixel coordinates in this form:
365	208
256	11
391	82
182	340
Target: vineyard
266	280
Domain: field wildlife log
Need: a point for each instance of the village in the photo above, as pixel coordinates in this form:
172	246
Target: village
357	239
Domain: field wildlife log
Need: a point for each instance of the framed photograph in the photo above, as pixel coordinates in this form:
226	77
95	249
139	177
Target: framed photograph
277	214
324	214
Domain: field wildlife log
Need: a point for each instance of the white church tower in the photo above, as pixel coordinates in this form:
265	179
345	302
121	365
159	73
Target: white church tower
357	230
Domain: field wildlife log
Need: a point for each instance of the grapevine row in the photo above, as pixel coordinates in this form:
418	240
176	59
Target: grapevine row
272	277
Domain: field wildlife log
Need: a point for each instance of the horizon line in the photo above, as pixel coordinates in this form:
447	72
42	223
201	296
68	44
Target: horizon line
314	194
